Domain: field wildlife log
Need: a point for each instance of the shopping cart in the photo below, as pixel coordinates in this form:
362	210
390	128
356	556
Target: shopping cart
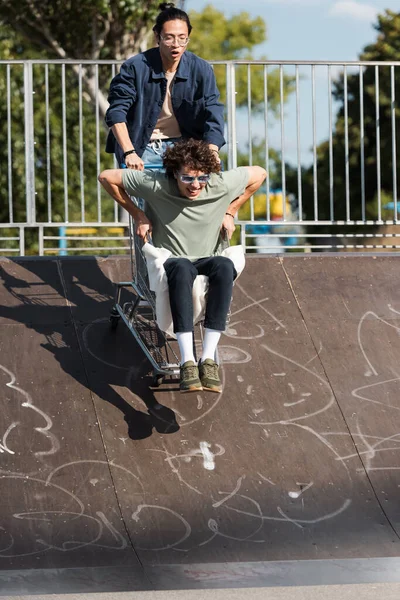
138	312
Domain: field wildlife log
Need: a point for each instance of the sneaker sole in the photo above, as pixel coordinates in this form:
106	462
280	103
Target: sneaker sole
210	389
191	389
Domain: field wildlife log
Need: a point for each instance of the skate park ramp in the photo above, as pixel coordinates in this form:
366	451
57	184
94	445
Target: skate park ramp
290	476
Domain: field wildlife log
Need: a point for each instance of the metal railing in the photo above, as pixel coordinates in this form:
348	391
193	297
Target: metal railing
325	132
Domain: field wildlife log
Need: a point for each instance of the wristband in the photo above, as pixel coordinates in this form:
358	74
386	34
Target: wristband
233	216
129	152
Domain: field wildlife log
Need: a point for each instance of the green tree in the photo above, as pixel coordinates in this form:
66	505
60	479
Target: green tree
385	48
81	29
217	37
52	165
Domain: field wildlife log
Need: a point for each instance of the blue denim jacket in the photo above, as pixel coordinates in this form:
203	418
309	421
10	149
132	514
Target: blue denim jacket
137	94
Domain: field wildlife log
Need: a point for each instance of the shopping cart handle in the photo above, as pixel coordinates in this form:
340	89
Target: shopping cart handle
146	166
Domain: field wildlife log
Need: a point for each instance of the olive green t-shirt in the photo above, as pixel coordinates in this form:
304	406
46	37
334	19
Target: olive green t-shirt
186	227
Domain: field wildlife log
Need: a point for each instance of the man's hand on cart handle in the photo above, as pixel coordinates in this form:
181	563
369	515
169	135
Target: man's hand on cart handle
143	228
228	224
133	161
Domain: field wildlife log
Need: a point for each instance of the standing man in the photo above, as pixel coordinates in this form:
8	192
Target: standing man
184	211
163	95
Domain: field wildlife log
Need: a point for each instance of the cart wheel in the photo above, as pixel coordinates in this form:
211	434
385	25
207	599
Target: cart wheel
114	322
157	380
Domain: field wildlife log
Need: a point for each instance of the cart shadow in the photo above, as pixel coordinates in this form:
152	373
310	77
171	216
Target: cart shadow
59	299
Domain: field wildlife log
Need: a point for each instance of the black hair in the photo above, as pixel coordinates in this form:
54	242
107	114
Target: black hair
170	13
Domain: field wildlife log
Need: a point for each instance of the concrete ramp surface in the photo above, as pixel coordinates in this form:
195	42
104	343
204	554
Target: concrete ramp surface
107	484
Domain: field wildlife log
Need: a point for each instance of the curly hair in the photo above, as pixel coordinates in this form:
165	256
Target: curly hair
195	155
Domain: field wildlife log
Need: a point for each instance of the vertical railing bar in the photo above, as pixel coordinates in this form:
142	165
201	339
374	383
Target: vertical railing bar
362	144
299	190
48	144
243	235
116	165
41	241
346	143
268	204
99	216
282	141
330	110
314	122
250	132
394	149
231	104
22	241
81	163
378	143
9	148
29	144
64	143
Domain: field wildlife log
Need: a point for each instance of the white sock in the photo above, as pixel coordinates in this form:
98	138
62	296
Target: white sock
210	343
185	343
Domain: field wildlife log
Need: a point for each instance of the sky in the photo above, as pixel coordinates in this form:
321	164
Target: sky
325	30
309	29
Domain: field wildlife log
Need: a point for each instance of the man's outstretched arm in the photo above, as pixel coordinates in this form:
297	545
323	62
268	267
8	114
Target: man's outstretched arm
257	176
111	180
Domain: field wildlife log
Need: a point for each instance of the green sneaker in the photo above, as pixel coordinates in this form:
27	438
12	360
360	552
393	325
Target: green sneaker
190	381
209	376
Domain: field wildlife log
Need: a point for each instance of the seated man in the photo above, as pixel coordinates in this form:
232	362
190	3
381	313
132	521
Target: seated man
185	208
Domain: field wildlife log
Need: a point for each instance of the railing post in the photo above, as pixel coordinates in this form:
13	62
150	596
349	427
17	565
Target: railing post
29	145
22	241
41	241
231	108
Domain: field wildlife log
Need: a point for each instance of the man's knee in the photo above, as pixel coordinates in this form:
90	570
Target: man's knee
223	268
180	269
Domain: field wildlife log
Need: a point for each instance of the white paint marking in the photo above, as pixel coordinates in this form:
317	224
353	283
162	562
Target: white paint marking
188	530
237	488
208	456
294	494
303	488
288	404
266	479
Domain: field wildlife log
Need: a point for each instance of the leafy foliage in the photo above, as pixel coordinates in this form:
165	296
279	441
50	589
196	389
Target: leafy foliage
217	37
385	48
81	28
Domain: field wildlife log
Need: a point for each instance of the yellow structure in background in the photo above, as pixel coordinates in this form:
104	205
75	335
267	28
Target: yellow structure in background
92	230
276	204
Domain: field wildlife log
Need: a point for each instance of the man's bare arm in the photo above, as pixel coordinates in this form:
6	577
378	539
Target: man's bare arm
257	177
111	180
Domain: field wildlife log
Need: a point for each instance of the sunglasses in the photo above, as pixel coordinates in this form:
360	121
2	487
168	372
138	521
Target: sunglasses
190	179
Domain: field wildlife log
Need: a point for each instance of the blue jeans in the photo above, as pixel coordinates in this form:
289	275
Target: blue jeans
153	153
